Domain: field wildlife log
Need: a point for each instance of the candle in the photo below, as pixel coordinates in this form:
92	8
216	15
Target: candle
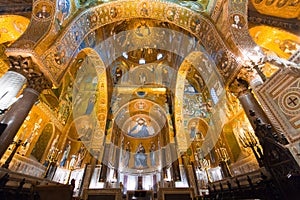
24	133
67	165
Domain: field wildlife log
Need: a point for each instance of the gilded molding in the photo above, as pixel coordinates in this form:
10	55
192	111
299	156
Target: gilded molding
278	8
48	112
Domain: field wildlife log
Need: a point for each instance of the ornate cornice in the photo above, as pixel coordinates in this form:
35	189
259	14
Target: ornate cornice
291	25
48	112
16	7
280	8
247	76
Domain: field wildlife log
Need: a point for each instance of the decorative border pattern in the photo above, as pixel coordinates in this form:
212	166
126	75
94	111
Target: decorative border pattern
274	97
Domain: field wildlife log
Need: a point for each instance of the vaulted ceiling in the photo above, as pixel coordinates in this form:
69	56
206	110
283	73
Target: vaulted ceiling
284	14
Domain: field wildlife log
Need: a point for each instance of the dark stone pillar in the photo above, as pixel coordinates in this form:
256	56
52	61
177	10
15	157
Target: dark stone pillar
140	183
104	163
252	107
175	163
277	159
103	173
14	117
254	111
225	168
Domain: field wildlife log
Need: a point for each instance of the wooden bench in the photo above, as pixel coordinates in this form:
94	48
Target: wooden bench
176	193
53	192
103	194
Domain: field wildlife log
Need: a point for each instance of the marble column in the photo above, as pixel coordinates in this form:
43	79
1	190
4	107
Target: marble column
103	173
252	107
154	180
254	112
125	180
186	163
14	117
175	163
277	158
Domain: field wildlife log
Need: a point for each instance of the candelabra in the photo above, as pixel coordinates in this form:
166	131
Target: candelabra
205	164
15	148
249	141
224	158
51	161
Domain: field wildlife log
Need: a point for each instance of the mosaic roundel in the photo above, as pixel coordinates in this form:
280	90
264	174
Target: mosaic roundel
290	101
42	10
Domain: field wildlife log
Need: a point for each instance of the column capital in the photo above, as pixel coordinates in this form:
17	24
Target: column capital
247	76
239	87
26	66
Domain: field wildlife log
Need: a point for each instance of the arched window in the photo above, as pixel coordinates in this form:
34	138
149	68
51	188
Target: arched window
214	95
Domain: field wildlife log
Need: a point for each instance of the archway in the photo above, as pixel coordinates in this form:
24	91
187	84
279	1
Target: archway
90	95
140	123
210	77
41	145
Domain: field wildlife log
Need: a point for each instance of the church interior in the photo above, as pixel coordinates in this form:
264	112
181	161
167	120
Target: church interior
149	99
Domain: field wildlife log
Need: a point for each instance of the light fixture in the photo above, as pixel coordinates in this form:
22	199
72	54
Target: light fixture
256	48
159	56
10	85
166	177
142	61
125	55
113	179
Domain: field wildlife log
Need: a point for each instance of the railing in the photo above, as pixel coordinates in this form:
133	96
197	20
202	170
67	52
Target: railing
254	185
21	186
24	165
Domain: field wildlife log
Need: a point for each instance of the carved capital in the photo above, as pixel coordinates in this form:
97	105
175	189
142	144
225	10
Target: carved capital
239	87
38	82
25	66
247	74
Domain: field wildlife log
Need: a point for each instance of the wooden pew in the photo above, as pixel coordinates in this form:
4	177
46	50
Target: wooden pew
176	193
21	186
53	192
103	194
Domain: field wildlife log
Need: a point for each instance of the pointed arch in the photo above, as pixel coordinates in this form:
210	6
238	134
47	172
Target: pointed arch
89	64
207	69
